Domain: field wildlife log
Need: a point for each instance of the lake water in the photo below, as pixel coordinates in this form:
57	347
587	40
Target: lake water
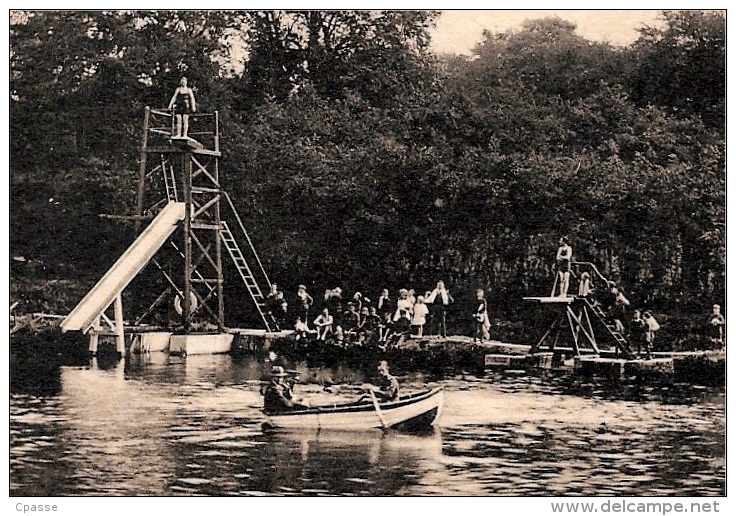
165	426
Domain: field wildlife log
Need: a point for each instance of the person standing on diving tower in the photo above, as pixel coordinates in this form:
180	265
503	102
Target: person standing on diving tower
182	103
564	266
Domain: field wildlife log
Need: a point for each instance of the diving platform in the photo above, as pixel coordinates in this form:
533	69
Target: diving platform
200	344
581	325
567	300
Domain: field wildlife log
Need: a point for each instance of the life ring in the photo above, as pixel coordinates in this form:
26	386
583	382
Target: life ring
193	303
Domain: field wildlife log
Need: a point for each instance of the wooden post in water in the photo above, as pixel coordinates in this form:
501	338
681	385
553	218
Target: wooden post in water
119	328
94	338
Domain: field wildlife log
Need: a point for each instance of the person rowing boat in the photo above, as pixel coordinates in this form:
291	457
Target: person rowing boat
388	387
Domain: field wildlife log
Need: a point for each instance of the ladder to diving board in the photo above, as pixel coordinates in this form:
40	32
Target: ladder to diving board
621	343
246	275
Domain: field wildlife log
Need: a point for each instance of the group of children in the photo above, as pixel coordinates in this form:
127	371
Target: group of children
359	320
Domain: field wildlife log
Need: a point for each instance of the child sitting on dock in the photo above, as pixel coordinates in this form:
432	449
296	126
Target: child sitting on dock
323	323
301	330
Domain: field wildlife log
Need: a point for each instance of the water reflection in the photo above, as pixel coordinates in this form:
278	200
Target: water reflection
161	425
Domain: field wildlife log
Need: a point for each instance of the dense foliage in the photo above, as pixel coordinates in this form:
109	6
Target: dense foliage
358	158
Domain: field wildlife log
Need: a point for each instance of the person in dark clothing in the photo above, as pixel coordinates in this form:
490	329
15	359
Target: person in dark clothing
305	303
182	104
637	333
385	308
564	262
279	396
439	300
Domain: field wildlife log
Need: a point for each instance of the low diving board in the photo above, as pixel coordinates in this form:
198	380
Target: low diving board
133	260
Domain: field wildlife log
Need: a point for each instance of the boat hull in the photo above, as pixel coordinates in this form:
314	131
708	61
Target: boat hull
410	413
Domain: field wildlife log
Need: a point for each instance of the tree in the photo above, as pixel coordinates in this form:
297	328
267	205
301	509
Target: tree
683	65
374	53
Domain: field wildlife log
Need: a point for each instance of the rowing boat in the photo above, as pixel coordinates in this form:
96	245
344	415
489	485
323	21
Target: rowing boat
412	412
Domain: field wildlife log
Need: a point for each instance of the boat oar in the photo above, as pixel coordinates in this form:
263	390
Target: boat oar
377	407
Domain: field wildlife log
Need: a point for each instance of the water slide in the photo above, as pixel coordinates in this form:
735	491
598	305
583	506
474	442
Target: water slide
125	269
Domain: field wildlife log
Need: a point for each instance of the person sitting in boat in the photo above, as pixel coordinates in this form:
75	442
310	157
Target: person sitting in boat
323	323
279	396
388	387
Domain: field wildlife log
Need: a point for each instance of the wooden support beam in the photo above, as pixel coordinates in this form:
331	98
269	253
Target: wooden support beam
94	338
589	335
205	171
206	206
205	251
202	225
136	218
119	325
140	193
163	295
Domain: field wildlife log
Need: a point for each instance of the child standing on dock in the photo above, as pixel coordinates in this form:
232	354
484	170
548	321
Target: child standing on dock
638	333
652	327
305	303
419	318
482	322
716	324
585	288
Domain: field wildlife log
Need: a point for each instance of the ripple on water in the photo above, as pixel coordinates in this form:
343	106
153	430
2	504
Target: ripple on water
197	432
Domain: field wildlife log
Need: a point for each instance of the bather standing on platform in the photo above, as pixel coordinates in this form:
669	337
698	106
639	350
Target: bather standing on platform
182	103
564	266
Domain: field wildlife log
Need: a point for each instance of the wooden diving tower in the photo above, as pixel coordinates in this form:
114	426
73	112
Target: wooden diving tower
187	170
